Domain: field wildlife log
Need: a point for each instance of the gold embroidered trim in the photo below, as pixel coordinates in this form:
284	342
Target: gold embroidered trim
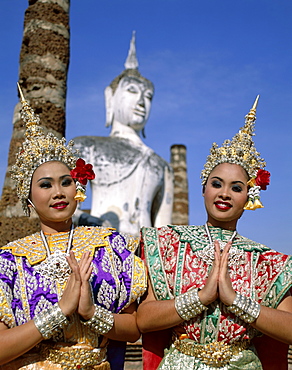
132	242
216	354
74	357
33	249
6	314
22	284
139	280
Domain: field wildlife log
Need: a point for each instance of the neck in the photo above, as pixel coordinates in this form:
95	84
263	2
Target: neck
56	227
223	225
126	132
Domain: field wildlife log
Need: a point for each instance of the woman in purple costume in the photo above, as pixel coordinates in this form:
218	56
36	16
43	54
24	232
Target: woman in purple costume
64	291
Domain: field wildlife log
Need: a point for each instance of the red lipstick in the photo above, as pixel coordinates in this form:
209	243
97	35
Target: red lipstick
223	206
59	205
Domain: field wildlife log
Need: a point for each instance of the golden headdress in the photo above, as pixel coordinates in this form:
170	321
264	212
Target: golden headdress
37	149
241	150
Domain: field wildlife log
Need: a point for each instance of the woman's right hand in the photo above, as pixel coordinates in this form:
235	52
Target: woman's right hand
209	293
71	295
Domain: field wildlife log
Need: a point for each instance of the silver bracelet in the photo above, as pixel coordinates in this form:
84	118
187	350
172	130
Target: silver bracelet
188	304
101	322
245	308
50	321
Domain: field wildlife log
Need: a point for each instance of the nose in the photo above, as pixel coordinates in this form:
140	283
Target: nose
141	100
224	193
58	192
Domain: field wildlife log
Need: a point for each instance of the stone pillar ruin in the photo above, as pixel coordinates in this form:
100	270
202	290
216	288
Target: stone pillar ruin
180	213
43	67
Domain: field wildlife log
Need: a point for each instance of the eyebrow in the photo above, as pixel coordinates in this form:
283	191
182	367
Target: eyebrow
133	80
50	178
233	182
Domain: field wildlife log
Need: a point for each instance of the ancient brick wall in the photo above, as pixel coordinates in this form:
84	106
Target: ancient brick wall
180	214
44	61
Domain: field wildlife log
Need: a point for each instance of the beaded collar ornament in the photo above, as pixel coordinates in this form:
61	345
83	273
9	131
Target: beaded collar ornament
207	253
56	266
37	149
241	150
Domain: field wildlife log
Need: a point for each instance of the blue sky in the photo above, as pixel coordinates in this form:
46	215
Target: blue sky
207	59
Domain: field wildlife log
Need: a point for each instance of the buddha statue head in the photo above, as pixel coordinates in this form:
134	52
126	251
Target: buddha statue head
128	97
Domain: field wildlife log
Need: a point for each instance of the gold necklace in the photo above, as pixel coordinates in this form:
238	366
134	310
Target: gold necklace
207	254
56	266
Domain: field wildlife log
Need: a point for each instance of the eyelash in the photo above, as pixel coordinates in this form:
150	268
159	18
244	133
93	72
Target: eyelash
235	188
47	185
216	184
67	182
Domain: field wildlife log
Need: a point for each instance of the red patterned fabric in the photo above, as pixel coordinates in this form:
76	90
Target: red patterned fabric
178	258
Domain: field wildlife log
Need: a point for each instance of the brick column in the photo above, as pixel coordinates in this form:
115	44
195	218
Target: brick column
180	213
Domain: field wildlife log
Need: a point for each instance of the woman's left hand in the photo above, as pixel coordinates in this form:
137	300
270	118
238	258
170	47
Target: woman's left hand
71	294
86	307
226	291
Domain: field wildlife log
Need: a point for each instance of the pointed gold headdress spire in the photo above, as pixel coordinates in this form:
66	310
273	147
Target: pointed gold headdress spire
37	149
241	150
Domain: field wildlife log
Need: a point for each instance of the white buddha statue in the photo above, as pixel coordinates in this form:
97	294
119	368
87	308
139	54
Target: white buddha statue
133	186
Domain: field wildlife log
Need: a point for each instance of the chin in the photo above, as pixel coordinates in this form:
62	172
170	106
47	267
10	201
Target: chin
137	126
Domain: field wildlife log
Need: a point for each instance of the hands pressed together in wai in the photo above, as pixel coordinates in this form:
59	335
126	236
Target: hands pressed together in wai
218	284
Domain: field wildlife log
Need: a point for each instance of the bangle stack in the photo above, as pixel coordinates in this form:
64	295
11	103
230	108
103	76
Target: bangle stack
188	304
101	322
50	321
245	308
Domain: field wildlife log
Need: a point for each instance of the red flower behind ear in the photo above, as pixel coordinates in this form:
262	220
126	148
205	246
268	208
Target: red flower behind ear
263	179
82	172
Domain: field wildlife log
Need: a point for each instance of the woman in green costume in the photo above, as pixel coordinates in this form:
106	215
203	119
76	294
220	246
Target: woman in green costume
216	292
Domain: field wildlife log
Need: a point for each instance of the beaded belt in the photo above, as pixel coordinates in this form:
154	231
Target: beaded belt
79	356
216	354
